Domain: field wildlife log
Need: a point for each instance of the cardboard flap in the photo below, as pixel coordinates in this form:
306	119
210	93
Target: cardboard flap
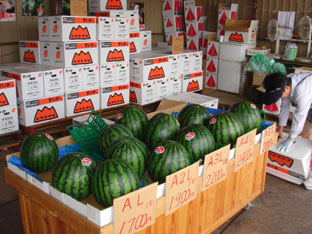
240	25
212	36
232	7
202	19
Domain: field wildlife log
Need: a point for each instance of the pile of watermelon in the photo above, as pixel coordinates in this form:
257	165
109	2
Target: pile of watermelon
135	146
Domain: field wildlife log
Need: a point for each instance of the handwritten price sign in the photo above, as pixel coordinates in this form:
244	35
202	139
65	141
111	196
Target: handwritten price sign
245	147
215	167
181	188
135	211
267	138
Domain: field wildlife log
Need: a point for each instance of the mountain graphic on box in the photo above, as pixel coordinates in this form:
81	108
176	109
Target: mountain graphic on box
237	37
79	33
3	100
132	48
116	99
83	106
29	56
113	5
45	114
133	97
82	58
281	160
115	56
156	73
192	86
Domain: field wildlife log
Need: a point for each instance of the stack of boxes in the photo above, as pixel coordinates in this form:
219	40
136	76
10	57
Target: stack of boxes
212	63
225	12
172	12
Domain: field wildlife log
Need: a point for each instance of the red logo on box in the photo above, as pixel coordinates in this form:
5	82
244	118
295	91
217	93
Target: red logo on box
281	160
113	5
79	33
3	100
192	86
116	99
84	105
115	56
236	37
156	73
82	58
133	97
29	56
132	47
45	114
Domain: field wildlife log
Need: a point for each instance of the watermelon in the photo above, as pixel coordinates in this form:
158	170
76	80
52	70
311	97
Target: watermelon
39	152
73	175
112	179
134	119
249	115
193	114
110	134
161	127
254	95
131	150
168	157
225	128
197	140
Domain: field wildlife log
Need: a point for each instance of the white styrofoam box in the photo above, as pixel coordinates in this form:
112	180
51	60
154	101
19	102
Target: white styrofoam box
197	58
114	96
227	12
81	102
135	43
294	165
274	109
107	75
162	88
234	52
121	29
114	51
147	67
192	82
213	49
193	43
38	111
229	77
7	92
241	33
29	82
172	7
212	65
187	62
90	77
57	194
104	5
29	51
46	53
146	40
105	28
196	98
43	28
143	93
122	74
175	85
73	79
132	15
70	54
211	80
8	119
72	28
17	170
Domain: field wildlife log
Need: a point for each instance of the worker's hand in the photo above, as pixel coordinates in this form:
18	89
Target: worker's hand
285	145
280	132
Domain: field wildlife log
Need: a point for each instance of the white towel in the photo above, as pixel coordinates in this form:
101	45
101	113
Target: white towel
286	20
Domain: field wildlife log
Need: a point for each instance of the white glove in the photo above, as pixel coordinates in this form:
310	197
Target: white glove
284	146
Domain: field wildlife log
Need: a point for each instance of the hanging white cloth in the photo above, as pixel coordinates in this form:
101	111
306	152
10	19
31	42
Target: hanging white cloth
286	21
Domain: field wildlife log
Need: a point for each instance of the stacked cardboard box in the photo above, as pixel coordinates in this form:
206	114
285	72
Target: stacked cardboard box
212	62
225	12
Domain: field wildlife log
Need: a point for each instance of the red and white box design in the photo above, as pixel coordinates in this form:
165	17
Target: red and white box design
38	111
72	28
175	85
106	5
143	93
73	79
241	31
114	52
172	7
90	77
192	13
131	15
206	38
227	12
274	109
43	28
192	82
173	23
71	54
122	74
121	29
197	58
107	75
114	96
175	65
105	28
211	80
220	31
162	88
187	62
7	92
29	51
135	43
212	65
46	53
82	102
194	43
8	119
213	49
146	40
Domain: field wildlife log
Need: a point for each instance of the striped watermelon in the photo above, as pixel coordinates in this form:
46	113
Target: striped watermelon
161	127
110	134
39	152
249	115
131	150
193	114
134	119
73	175
197	140
225	128
112	179
168	157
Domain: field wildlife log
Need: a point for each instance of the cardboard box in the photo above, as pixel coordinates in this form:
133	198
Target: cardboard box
8	119
234	52
143	93
71	54
192	12
192	82
172	7
135	43
29	51
254	51
212	65
207	36
162	88
121	29
175	85
114	52
46	53
114	96
82	102
146	40
193	29
122	74
29	83
195	98
257	78
175	65
303	69
173	23
213	49
43	28
193	43
13	65
72	28
241	31
131	15
7	92
294	165
107	75
226	12
90	77
197	58
187	62
104	5
229	77
38	111
147	67
105	28
73	79
211	80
